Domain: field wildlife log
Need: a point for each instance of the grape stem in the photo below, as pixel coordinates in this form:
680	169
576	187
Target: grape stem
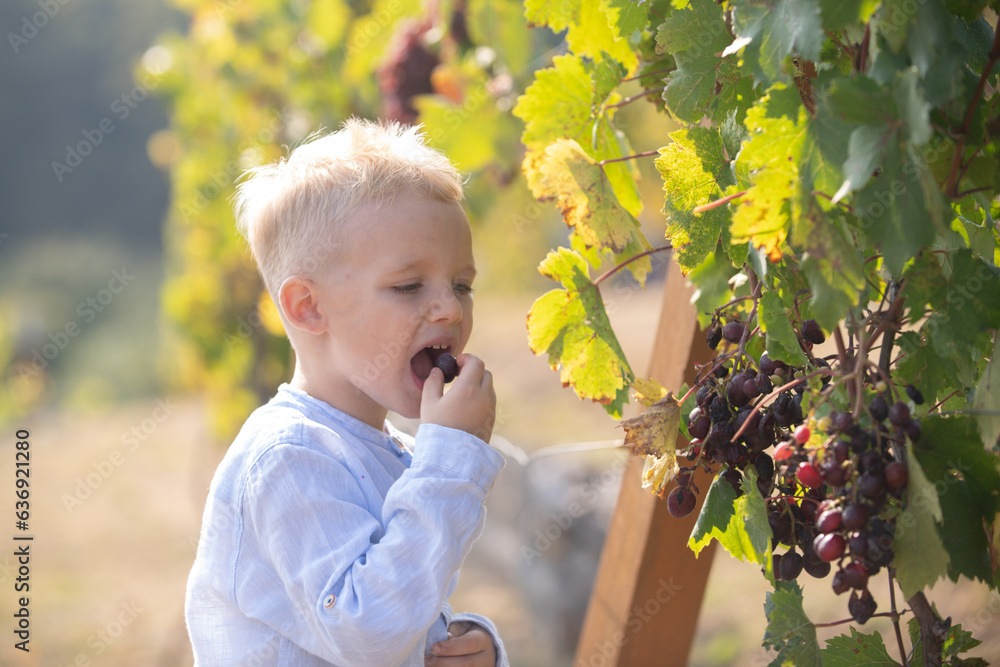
618	267
643	75
887	614
775	392
628	157
895	618
957	168
633	98
718	202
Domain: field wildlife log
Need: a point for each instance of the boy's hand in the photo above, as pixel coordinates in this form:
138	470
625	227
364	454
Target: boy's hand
468	645
470	404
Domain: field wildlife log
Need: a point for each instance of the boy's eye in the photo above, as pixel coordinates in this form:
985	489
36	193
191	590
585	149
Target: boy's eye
462	289
409	288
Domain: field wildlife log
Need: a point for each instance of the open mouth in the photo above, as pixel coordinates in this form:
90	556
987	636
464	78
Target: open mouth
424	360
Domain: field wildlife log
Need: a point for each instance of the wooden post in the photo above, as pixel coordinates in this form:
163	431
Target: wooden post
648	592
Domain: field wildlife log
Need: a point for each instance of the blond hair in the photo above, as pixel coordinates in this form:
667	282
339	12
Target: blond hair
292	211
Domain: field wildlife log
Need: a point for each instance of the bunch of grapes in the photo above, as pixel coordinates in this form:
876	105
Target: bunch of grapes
831	497
406	71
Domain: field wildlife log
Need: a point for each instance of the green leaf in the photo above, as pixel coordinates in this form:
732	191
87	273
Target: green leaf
500	25
782	342
921	557
591	35
776	28
856	650
572	327
695	170
716	513
695	36
556	14
838	14
626	16
712	280
789	631
738	523
987	399
966	478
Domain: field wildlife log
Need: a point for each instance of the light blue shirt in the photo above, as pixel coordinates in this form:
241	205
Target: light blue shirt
325	542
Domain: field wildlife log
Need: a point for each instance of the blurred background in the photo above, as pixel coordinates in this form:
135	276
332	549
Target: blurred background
135	336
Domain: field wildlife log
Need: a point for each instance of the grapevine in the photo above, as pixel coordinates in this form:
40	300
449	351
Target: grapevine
831	189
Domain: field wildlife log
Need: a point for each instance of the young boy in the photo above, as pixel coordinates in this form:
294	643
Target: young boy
326	540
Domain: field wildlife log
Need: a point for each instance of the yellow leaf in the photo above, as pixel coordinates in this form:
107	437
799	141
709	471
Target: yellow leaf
654	434
581	190
648	391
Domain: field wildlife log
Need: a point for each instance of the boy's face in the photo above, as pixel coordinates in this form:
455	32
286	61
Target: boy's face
400	294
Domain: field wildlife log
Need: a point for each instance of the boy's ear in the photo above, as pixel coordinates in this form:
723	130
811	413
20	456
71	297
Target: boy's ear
299	301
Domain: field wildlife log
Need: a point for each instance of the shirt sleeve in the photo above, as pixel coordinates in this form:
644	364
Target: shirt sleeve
365	588
487	625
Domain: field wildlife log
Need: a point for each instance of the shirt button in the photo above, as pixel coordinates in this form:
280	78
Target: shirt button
329	600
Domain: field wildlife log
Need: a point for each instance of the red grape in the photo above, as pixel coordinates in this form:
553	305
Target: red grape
830	547
680	501
808	475
829	521
896	475
802	434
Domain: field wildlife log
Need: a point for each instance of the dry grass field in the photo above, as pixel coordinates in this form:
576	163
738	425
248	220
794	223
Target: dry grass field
115	521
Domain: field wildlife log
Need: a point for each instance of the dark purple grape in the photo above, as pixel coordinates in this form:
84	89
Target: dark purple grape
841	422
812	333
718	410
914	394
899	414
839	582
704	395
699	427
680	502
448	365
834	474
912	430
896	475
879	408
872	484
734	393
763	382
819	570
855	516
862	606
856	575
733	331
765	466
750	388
767	365
790	566
713	337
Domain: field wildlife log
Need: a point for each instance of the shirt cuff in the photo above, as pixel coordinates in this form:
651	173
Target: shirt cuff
487	624
458	452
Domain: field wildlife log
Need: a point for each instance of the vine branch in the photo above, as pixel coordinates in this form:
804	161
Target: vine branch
618	267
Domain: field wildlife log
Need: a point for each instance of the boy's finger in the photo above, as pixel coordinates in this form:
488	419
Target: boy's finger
433	385
467	644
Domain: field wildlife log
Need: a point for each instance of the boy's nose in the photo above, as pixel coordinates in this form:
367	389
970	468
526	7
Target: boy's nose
445	307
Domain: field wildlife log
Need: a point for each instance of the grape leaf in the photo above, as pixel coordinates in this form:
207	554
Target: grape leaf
839	13
789	630
965	477
572	327
987	399
696	169
695	36
653	434
556	14
626	16
957	641
566	174
921	557
856	650
715	516
560	104
782	343
738	523
772	29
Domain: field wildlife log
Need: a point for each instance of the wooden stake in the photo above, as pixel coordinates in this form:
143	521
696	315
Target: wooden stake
648	592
